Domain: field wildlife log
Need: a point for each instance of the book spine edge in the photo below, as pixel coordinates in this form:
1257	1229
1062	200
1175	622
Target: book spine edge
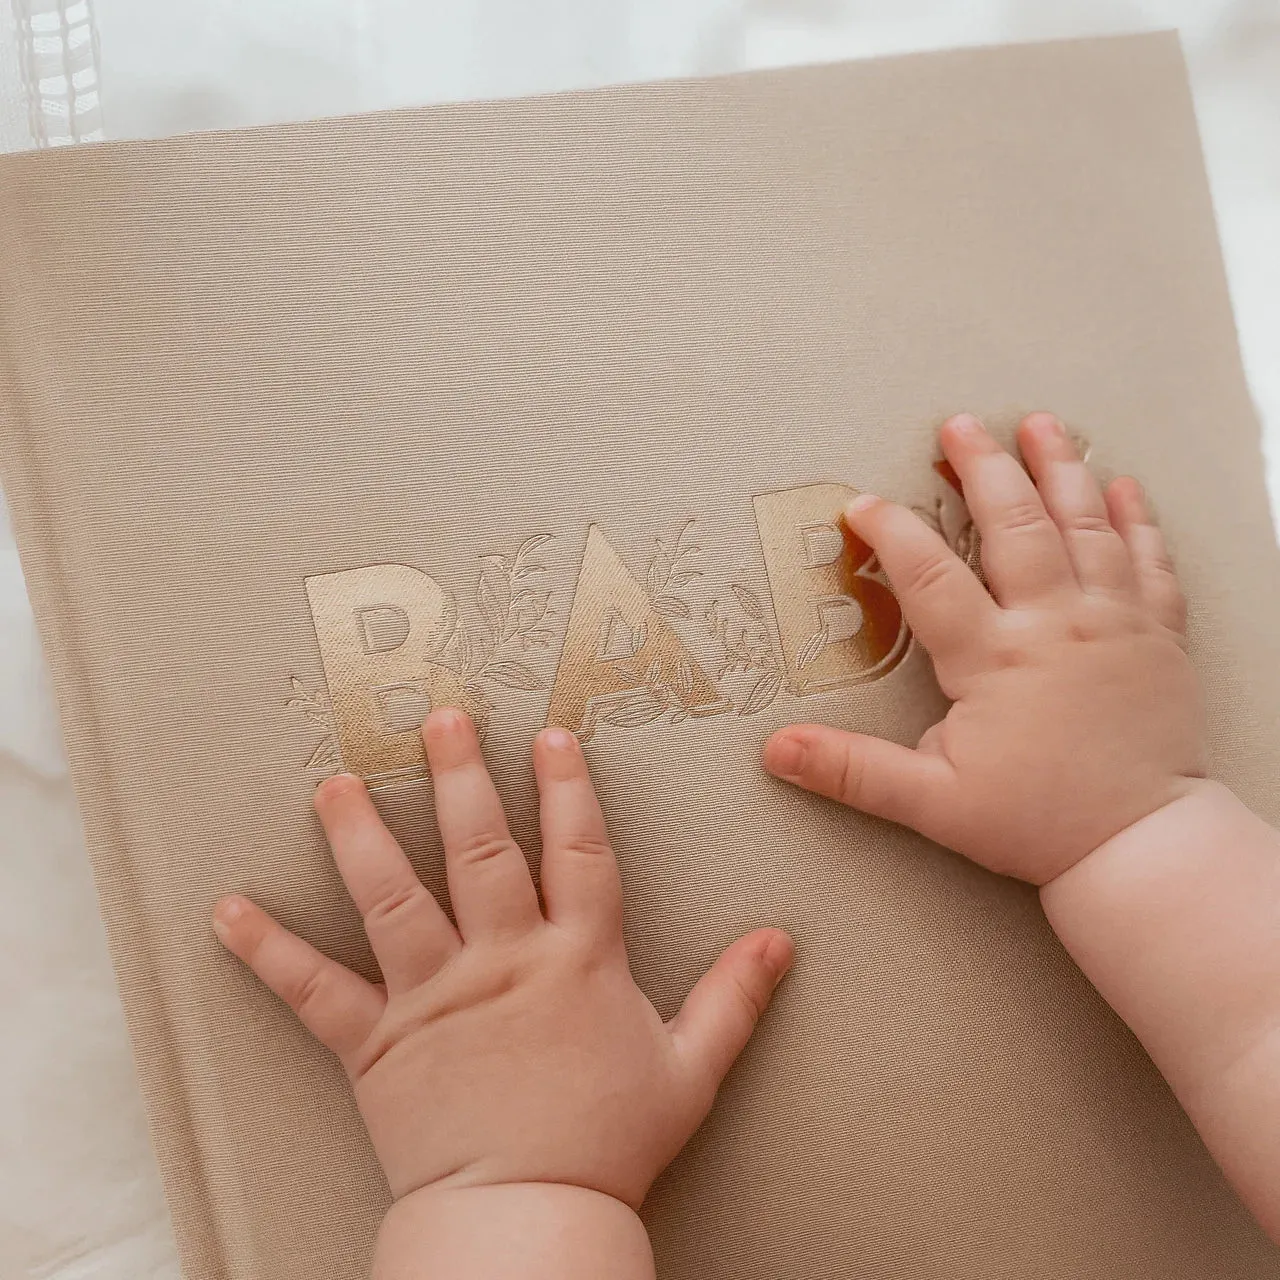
169	1119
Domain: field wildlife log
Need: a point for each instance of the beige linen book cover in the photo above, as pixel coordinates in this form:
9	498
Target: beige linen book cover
546	407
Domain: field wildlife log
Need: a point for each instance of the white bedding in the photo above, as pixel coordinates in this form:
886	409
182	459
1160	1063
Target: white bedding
79	1194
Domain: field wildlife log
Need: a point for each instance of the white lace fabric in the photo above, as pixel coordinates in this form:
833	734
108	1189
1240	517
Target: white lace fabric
48	74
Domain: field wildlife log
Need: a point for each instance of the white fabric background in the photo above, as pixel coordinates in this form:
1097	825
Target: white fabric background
79	1195
48	74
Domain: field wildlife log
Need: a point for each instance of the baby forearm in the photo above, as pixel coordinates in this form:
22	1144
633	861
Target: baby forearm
520	1231
1176	921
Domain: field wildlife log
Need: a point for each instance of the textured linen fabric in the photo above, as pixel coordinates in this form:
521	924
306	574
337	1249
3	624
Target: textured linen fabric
441	338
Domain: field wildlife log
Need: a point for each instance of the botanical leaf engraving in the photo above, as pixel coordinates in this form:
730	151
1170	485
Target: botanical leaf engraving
812	649
393	646
394	642
748	602
315	706
746	647
515	615
623	662
669	570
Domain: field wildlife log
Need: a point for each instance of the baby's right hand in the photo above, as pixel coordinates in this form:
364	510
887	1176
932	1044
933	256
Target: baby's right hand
1076	711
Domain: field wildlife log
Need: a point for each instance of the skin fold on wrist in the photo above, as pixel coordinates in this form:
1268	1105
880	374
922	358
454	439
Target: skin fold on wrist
525	1231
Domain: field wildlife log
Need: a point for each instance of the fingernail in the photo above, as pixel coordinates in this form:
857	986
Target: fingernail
225	914
780	954
784	757
1137	499
559	739
446	718
336	782
1049	424
965	423
857	506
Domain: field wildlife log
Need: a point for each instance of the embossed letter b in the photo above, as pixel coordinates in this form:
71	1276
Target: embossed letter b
378	629
838	624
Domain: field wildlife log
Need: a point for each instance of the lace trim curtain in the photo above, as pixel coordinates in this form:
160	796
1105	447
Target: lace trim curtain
49	89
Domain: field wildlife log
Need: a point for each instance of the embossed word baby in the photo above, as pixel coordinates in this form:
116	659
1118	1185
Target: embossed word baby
392	647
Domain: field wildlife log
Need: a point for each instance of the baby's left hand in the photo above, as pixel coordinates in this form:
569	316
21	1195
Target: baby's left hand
514	1048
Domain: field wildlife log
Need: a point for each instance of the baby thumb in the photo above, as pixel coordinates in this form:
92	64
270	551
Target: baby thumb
722	1010
878	777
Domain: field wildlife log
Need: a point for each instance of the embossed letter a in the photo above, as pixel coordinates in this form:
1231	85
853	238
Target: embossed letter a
622	662
378	628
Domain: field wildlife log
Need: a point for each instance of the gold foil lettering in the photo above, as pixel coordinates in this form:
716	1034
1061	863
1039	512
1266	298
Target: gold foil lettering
622	662
379	628
838	621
